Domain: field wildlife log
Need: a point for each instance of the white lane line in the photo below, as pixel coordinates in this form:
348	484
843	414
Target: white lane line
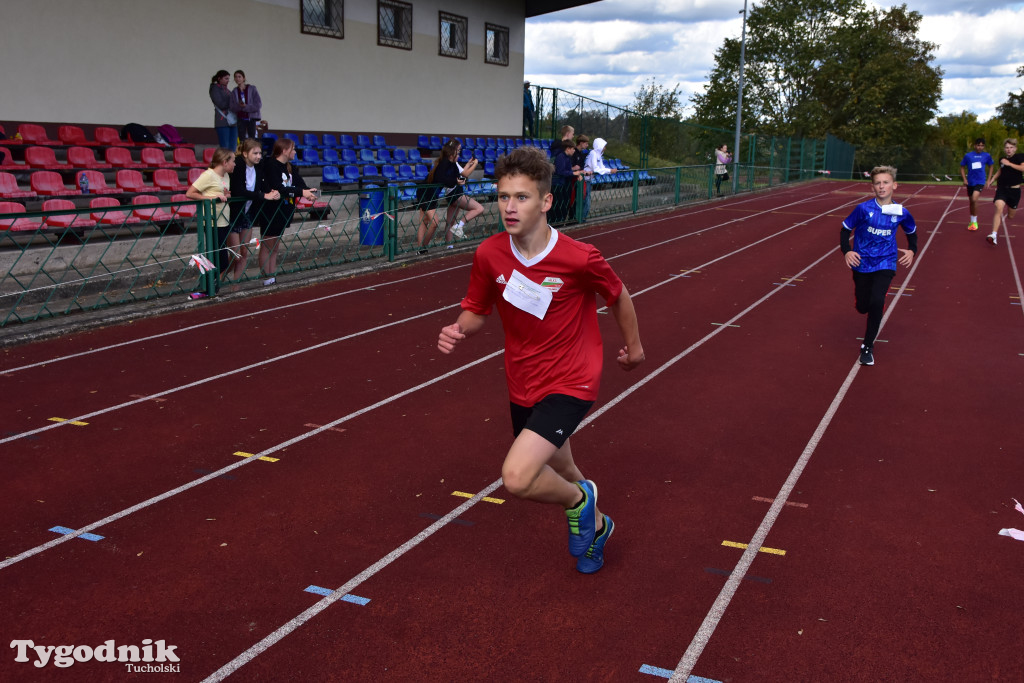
714	615
290	626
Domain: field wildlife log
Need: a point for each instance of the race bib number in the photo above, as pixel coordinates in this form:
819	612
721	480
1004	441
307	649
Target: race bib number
892	210
527	295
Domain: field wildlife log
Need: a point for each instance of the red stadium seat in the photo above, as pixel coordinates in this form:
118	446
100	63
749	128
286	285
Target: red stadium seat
109	136
34	134
153	157
73	135
110	217
42	157
97	183
6	161
119	157
83	157
208	155
186	156
166	180
129	180
50	183
193	175
9	187
185	211
65	220
150	214
16	224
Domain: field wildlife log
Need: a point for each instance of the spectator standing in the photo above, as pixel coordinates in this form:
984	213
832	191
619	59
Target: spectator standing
563	182
213	183
722	161
545	286
529	111
248	105
565	133
595	162
246	182
579	162
874	254
447	173
973	171
1008	180
225	118
279	175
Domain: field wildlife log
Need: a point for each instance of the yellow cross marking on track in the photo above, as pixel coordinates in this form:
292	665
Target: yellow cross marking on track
262	457
773	551
64	419
463	494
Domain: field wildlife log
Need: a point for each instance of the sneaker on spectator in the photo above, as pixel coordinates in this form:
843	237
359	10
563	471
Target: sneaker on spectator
458	231
593	559
581	519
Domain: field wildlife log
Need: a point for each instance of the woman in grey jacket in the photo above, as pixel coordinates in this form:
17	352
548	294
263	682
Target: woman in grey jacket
248	103
225	119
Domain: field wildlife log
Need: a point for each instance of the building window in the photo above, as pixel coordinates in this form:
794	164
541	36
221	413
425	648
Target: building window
496	40
323	17
454	30
394	24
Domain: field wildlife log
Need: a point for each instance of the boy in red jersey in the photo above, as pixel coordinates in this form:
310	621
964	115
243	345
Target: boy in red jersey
545	284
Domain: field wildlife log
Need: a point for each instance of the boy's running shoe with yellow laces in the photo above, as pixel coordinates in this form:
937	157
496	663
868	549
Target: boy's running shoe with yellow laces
581	519
593	559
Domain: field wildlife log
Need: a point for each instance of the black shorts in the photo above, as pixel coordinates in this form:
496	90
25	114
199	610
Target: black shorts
555	417
427	197
971	189
1010	195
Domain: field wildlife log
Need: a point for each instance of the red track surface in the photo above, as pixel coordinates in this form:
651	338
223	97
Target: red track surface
900	475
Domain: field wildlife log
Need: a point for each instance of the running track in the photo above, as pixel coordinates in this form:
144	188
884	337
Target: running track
782	514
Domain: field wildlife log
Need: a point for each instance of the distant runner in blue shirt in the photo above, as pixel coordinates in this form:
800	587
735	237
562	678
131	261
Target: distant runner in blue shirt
973	171
874	254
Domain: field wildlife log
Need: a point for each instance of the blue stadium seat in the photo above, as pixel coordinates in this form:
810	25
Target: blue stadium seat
399	156
294	138
408	192
435	142
330	174
423	141
370	171
405	172
380	143
330	156
488	169
421	171
366	156
384	156
346	141
363	142
349	156
308	157
310	140
414	156
330	140
490	154
351	174
389	172
465	155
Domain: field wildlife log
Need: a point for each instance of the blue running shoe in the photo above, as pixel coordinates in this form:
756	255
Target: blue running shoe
581	519
594	557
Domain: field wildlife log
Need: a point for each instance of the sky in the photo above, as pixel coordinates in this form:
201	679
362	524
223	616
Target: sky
607	49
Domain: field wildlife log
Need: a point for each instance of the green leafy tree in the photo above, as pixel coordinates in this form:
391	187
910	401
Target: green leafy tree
815	67
661	109
1012	110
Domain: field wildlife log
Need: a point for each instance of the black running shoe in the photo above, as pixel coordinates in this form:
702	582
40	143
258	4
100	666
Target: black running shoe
867	355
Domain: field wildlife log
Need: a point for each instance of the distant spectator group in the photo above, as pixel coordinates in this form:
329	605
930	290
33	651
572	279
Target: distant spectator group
236	113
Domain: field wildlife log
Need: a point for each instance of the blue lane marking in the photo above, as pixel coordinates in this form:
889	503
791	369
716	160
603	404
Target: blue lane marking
65	531
667	673
319	590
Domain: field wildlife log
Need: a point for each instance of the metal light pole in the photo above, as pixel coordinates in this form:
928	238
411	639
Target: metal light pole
739	104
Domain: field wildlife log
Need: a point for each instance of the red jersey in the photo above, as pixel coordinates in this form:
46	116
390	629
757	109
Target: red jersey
560	353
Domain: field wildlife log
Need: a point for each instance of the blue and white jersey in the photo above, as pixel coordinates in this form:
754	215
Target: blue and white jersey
976	163
874	234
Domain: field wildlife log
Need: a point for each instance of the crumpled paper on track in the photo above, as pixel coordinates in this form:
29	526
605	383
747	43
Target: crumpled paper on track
1016	534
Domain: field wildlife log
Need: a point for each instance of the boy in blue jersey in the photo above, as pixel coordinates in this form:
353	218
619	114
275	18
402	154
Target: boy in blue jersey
874	254
975	178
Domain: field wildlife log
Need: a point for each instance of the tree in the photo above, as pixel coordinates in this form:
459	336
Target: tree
828	66
1012	110
661	110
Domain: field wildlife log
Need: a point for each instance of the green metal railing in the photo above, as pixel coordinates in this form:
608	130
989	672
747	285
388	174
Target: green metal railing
61	262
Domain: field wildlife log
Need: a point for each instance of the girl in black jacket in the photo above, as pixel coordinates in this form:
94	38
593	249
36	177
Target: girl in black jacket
279	175
247	183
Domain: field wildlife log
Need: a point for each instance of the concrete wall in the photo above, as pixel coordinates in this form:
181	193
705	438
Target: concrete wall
150	61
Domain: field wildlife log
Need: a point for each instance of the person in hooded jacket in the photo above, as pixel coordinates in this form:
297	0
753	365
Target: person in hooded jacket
595	165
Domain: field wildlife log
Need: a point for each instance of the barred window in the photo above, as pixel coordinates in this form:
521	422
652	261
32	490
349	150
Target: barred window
323	17
496	40
453	32
394	24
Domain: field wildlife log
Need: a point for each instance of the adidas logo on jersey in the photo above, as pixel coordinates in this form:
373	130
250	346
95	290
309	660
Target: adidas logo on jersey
501	280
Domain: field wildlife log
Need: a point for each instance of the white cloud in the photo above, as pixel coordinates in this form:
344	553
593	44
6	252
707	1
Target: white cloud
607	49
